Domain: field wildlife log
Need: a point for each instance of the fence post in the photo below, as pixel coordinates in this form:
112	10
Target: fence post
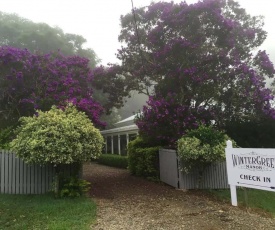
233	189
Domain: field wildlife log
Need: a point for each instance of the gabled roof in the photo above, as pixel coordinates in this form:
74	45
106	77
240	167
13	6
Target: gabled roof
132	118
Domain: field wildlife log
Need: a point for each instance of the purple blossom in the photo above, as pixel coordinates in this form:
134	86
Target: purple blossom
40	81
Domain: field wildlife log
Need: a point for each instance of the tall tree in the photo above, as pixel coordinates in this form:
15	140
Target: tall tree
38	81
200	60
39	37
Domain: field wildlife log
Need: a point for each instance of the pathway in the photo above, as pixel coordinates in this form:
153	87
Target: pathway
131	203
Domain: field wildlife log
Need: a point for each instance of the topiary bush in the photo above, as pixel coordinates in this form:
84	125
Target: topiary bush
142	159
201	147
113	160
57	137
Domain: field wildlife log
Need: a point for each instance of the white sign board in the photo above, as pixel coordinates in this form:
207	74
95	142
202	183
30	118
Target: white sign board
252	168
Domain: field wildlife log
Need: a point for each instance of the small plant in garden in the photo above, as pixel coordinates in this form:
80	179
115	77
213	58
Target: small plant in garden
201	147
73	187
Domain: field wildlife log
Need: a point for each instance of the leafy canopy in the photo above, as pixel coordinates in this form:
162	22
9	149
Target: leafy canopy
58	137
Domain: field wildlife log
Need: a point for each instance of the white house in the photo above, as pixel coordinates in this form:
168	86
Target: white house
117	139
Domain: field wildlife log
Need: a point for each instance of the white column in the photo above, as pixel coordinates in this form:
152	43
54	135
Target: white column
127	139
112	144
106	144
118	140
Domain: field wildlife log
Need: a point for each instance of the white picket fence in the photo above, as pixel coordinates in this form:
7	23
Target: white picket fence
214	176
17	177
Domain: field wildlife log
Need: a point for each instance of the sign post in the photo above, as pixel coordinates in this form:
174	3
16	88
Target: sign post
233	189
252	168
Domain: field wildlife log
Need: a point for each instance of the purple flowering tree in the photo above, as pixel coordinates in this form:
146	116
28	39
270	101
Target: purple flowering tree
202	54
34	81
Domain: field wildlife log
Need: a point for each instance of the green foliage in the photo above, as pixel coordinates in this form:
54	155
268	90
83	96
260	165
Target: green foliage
6	136
138	142
142	159
58	137
73	187
113	160
207	135
201	147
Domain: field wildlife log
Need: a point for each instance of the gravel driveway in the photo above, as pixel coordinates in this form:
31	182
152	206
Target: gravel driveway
128	202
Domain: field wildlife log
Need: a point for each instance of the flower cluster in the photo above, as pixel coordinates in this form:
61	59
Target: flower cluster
163	120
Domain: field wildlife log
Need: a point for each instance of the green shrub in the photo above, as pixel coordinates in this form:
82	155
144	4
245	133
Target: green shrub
58	137
139	142
201	147
73	187
143	160
113	160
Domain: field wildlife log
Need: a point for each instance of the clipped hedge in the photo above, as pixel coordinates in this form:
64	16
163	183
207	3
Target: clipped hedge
113	160
143	160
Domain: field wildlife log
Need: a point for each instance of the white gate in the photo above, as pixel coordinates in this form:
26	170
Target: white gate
214	176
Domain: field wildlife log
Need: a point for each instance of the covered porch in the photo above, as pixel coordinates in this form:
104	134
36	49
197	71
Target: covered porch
117	139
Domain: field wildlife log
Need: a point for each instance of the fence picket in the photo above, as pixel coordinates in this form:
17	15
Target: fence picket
6	163
13	174
43	178
2	169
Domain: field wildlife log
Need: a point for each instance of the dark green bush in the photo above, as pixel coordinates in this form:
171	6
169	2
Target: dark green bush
6	136
113	160
253	134
207	135
142	159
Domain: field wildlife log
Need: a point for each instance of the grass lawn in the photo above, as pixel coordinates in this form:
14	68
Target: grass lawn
255	198
45	212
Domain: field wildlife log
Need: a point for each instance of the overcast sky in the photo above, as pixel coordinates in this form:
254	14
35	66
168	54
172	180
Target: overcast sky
98	20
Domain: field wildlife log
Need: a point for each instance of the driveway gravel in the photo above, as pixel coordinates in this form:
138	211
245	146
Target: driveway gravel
128	202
